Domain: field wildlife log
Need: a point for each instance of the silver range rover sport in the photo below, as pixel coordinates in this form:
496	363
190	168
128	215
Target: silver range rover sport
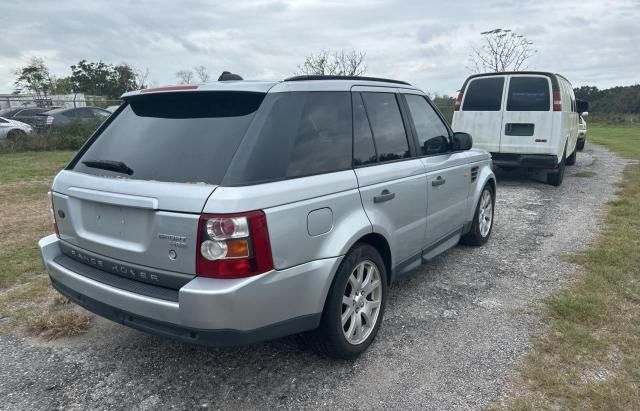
241	211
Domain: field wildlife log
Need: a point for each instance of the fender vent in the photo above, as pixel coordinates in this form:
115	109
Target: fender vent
474	173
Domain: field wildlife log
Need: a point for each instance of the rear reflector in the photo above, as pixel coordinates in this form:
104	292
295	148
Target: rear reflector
557	101
458	102
53	216
170	88
233	245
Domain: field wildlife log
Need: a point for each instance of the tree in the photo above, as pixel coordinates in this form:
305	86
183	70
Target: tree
62	85
339	63
34	77
501	50
101	79
184	76
202	73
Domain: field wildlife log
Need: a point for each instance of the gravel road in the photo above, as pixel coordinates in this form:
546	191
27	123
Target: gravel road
452	334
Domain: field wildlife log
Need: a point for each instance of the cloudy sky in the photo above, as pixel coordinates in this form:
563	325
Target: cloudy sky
592	42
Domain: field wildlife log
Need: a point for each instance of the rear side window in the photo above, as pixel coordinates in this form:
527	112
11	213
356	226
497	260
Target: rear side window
295	134
484	94
528	94
364	151
387	126
175	137
433	136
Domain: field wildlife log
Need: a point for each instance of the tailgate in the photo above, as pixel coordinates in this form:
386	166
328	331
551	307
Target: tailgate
127	220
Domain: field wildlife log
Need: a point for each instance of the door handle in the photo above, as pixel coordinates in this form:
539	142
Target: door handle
438	181
386	195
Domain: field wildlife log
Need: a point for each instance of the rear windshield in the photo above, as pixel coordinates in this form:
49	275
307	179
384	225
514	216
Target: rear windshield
484	94
528	94
174	137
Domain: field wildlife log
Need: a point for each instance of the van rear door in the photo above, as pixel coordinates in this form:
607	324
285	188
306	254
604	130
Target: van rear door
527	120
480	112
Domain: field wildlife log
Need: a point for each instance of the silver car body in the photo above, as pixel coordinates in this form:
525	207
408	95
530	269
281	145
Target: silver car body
7	126
115	235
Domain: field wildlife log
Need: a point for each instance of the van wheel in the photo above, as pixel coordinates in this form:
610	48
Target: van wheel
355	305
555	178
580	145
482	219
571	160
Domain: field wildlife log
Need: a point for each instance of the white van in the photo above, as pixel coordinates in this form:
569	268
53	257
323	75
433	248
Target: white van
524	119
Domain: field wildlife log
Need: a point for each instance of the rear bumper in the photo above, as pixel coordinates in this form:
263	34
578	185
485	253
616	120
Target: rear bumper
209	311
545	161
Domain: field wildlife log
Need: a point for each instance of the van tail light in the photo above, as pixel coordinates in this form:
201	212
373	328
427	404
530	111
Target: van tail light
557	101
458	102
53	215
49	120
233	245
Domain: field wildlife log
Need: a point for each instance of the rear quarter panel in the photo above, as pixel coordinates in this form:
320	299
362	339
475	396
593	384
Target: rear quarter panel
308	218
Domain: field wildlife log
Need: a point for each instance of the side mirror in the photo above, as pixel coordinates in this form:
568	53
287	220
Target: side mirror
462	141
585	114
582	106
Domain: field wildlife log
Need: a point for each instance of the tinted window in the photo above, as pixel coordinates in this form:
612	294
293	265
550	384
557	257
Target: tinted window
484	94
528	94
433	136
364	151
101	114
176	137
386	123
295	134
71	113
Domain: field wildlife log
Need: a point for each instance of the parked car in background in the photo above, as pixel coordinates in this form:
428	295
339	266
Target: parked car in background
582	131
61	116
111	109
26	115
240	211
10	129
525	119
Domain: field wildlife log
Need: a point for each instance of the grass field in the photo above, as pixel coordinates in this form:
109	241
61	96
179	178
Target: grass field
27	301
590	359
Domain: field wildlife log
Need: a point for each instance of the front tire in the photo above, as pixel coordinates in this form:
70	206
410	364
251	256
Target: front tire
16	134
482	220
580	145
355	305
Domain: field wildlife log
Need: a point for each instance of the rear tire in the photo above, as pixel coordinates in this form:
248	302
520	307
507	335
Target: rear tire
15	134
480	231
357	302
571	160
555	178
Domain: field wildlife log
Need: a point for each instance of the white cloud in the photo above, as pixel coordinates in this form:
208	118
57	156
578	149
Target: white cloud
423	42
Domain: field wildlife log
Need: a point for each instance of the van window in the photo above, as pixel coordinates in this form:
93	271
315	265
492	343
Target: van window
432	133
295	134
364	150
484	94
174	137
528	94
387	126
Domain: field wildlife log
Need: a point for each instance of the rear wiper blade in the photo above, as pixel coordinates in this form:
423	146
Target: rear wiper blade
117	166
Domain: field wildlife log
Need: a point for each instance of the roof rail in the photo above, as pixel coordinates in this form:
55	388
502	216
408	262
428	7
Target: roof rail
332	77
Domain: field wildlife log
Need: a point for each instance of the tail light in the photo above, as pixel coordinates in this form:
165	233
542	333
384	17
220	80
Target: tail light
458	102
557	101
233	245
49	120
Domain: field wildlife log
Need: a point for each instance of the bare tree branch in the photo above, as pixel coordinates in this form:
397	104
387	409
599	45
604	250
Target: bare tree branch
501	50
185	76
339	63
202	73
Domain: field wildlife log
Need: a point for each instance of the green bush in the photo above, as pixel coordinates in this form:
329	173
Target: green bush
67	137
